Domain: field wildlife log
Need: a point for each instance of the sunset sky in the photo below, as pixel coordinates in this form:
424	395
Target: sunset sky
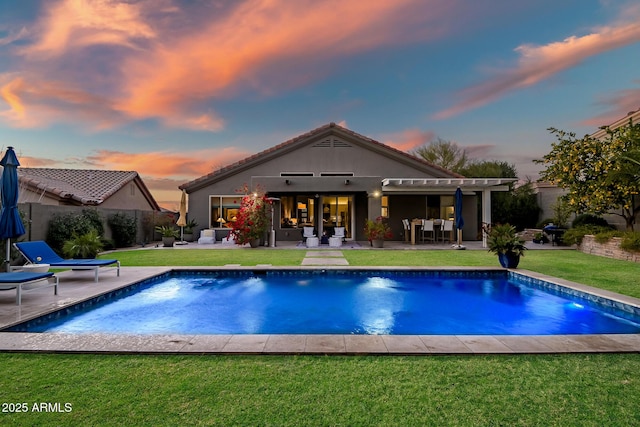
175	89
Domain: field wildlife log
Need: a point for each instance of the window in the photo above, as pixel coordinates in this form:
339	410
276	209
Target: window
384	210
223	210
297	211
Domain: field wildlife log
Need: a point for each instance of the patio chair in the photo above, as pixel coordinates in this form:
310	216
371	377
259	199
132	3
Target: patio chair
39	252
407	230
428	230
307	232
229	239
339	232
447	227
207	237
21	281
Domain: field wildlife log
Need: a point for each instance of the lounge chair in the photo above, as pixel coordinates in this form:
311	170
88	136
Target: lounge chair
39	252
27	281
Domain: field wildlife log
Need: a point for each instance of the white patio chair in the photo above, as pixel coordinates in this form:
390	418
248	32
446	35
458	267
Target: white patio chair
207	237
339	232
447	227
428	231
307	232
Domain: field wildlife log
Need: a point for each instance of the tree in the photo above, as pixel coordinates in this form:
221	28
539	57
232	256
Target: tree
446	154
518	206
489	169
601	176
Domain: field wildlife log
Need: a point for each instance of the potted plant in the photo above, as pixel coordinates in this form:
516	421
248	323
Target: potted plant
377	231
168	233
252	220
505	242
188	230
83	246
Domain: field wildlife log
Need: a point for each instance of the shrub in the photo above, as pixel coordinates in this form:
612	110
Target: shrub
606	234
123	229
378	229
631	241
64	226
93	217
589	219
83	246
574	236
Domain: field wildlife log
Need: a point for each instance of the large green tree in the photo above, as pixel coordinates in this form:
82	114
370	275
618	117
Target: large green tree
600	175
518	206
446	154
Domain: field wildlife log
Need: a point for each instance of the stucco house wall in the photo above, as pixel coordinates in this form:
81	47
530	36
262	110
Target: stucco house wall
330	160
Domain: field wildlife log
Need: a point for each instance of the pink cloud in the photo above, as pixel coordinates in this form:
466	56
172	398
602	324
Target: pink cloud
409	139
538	63
268	47
152	65
165	164
619	105
37	103
72	24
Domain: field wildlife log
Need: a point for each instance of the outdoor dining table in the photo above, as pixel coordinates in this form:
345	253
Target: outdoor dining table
416	224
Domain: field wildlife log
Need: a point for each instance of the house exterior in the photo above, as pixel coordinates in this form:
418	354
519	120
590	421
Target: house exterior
334	177
82	187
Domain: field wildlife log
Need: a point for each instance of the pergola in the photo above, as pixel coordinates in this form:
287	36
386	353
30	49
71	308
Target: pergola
419	186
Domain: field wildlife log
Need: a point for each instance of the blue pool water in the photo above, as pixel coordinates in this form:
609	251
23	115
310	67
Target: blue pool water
289	302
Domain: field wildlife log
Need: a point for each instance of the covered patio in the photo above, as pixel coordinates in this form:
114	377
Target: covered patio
471	189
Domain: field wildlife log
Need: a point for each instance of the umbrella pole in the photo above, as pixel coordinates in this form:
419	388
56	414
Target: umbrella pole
7	260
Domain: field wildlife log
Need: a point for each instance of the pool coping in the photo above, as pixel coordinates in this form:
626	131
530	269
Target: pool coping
84	289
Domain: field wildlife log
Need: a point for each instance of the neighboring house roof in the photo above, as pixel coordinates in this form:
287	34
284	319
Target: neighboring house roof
632	115
82	186
302	139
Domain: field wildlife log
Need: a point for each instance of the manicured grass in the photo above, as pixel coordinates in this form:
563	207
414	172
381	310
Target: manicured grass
584	390
544	390
204	257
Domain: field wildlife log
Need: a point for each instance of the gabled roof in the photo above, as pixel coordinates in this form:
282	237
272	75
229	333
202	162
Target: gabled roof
82	186
301	140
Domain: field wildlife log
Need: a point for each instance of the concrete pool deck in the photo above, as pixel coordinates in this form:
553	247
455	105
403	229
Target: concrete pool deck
79	286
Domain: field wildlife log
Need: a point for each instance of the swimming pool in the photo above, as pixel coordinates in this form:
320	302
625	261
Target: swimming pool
344	302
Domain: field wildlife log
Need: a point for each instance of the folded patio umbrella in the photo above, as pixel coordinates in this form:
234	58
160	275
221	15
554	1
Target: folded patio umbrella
11	225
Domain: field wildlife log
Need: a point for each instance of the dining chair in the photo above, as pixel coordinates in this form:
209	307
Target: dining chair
407	230
428	231
447	227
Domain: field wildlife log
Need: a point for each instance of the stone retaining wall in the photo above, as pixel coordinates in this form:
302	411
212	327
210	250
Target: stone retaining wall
609	249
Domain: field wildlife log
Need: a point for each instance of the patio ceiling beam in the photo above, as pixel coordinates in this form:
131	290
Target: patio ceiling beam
497	184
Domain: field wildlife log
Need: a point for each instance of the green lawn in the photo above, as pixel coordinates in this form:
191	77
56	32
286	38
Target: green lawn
526	390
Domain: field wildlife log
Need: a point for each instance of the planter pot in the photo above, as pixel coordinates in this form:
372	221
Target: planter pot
509	260
377	243
168	241
188	237
254	243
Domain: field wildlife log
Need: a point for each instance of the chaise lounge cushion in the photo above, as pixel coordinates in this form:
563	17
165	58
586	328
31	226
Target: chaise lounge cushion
39	252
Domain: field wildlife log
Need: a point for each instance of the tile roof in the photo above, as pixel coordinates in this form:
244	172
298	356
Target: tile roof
305	136
86	186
